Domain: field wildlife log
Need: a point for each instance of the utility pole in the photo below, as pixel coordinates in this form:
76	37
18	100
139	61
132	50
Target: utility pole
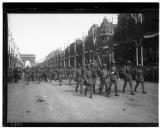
138	39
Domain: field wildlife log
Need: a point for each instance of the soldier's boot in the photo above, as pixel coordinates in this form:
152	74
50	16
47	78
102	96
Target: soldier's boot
100	90
81	89
85	91
132	93
124	86
109	89
106	91
116	93
91	91
94	88
76	87
135	88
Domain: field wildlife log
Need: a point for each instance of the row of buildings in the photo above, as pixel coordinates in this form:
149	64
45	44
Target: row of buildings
82	51
101	40
14	56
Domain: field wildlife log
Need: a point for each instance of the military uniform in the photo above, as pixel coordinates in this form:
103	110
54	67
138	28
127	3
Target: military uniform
127	77
114	76
83	76
89	81
139	78
79	79
94	72
60	76
70	75
104	80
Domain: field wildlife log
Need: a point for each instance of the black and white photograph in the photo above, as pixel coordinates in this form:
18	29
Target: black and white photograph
89	67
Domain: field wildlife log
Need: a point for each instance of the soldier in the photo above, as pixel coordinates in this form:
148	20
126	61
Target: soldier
114	77
94	72
128	77
139	78
83	75
104	80
79	79
60	76
70	74
89	81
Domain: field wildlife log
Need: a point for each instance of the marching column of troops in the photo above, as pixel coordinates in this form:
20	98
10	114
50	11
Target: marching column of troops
86	77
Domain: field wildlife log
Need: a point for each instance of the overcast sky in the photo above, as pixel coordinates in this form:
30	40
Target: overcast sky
39	34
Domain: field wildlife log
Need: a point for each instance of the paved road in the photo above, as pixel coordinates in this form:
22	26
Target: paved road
47	102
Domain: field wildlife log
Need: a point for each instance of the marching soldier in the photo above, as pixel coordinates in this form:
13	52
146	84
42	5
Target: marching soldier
94	72
83	75
104	80
89	81
128	77
70	75
60	76
139	78
114	77
79	79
